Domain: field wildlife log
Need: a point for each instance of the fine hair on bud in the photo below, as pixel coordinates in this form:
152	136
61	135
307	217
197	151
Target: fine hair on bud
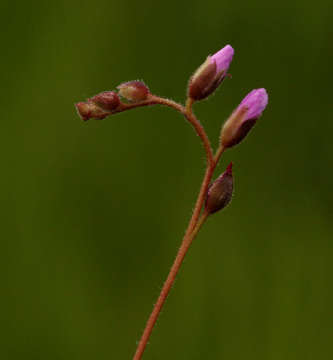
89	110
107	100
134	91
243	118
220	192
210	74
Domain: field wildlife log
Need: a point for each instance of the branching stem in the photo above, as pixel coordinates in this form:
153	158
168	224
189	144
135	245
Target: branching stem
196	221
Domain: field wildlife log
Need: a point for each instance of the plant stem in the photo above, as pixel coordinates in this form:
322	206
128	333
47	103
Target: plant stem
218	154
186	111
167	286
196	221
193	228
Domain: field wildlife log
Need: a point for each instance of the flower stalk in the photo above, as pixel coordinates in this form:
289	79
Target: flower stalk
212	196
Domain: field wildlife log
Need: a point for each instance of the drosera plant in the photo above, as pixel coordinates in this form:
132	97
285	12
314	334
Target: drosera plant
213	195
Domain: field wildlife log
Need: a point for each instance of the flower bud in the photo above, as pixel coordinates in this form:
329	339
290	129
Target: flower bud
107	100
210	74
88	110
134	91
220	192
243	118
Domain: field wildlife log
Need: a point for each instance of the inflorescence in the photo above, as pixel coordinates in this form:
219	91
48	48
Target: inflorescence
213	195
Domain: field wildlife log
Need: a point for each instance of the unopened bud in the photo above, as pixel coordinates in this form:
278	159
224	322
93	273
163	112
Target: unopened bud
107	100
88	110
210	74
243	118
220	192
134	91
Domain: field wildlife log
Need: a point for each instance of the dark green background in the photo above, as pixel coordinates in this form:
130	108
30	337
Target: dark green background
92	213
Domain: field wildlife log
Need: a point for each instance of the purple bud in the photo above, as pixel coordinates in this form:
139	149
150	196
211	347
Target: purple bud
243	118
107	100
88	110
255	102
134	91
210	74
223	58
220	192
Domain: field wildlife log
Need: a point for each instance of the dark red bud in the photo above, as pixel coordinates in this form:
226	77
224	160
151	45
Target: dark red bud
107	100
220	192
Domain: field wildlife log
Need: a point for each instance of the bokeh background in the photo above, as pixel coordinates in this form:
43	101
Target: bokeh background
93	213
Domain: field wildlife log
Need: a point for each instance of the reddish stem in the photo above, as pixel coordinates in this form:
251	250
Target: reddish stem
187	112
187	241
193	226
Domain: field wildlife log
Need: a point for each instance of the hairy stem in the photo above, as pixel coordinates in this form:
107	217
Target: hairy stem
166	287
186	111
196	221
218	154
205	183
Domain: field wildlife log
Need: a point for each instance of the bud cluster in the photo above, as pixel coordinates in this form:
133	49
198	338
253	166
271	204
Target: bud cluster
203	83
205	80
108	102
213	196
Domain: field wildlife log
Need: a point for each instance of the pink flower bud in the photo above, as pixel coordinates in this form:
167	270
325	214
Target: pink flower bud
107	100
223	58
244	117
88	110
255	102
220	192
210	74
134	91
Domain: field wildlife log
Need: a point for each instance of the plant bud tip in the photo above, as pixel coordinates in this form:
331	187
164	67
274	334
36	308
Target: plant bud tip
229	169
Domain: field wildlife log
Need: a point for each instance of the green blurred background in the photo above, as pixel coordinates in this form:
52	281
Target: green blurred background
93	213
